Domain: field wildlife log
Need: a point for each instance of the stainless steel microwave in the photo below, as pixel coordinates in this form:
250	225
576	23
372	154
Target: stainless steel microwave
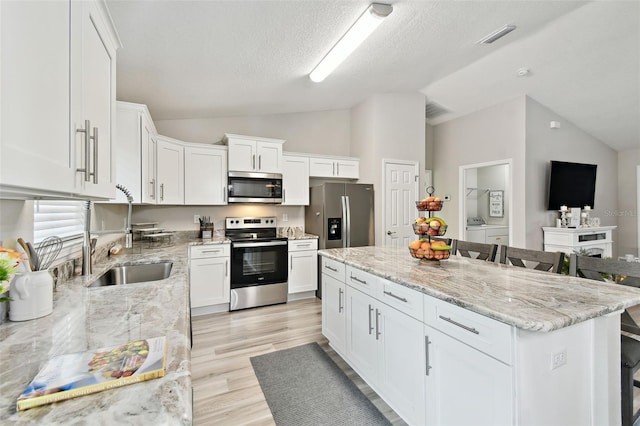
248	187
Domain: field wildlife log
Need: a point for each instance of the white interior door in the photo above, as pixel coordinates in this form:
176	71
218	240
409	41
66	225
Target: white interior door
400	193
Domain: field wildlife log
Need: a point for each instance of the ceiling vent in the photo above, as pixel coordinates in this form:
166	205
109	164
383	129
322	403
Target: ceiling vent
433	110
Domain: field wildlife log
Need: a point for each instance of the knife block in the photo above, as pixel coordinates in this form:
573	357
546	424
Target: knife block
206	231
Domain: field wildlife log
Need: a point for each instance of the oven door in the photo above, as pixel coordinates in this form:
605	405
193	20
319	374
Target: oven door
255	188
259	263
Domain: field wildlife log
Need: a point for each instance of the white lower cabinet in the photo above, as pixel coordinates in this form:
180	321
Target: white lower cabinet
465	386
209	276
334	319
303	265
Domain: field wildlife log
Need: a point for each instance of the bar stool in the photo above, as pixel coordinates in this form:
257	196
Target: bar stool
630	350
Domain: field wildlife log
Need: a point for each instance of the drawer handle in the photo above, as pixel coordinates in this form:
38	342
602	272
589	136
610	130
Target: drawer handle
471	329
303	245
358	280
330	268
211	251
402	299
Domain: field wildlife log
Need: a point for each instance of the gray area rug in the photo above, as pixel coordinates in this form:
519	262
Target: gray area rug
304	387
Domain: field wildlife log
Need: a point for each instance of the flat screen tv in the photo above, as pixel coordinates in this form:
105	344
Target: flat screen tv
571	185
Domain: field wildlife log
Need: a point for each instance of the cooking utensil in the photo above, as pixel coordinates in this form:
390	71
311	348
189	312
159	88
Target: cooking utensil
26	250
33	257
48	251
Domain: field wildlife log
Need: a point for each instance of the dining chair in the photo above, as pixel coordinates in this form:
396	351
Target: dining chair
468	248
547	261
626	273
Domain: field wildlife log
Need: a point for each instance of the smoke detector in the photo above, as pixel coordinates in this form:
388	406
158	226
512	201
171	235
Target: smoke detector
523	72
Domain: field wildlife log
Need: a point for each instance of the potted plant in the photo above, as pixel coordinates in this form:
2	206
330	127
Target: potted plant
9	261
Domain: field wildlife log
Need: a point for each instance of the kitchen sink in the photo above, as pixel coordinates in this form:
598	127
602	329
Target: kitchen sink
134	273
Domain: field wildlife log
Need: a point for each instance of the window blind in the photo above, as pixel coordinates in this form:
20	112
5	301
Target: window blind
63	218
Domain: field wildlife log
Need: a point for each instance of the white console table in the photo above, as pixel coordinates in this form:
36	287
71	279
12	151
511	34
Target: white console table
572	240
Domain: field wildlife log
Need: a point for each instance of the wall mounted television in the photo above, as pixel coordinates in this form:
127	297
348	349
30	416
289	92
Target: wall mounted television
571	185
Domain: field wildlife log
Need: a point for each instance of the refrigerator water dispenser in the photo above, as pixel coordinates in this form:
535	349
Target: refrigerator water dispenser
334	225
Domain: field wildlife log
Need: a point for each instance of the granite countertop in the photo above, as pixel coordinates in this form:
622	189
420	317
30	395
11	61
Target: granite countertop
90	318
525	298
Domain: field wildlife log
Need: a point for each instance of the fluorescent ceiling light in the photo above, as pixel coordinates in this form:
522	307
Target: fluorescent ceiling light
499	33
359	31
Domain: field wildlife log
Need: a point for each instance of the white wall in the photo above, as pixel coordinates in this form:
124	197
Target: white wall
627	211
16	220
569	143
387	126
492	134
318	132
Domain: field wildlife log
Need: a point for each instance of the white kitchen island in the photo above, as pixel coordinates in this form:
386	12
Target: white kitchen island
474	342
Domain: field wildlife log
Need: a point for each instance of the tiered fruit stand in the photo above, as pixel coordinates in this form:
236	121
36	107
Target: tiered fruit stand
428	249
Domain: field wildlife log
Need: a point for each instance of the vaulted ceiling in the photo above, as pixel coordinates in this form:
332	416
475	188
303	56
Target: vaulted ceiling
199	59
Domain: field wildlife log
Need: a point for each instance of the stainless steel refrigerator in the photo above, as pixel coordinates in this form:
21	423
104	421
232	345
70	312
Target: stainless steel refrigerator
341	215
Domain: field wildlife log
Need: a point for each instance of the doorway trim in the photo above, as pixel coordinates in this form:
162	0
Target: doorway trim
462	190
383	198
638	207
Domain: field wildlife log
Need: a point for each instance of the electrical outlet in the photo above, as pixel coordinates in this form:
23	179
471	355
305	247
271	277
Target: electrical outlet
558	359
196	218
285	217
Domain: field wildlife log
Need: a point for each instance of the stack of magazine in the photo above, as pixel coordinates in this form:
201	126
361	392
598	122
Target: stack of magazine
72	375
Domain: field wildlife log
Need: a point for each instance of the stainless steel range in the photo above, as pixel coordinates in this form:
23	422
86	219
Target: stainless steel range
259	262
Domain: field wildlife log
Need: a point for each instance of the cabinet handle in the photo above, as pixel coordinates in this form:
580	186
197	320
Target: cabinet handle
340	307
290	262
226	268
333	169
330	268
95	155
303	245
426	353
284	195
259	162
402	299
253	162
153	189
370	322
87	152
162	192
358	280
211	251
338	168
224	194
466	327
378	334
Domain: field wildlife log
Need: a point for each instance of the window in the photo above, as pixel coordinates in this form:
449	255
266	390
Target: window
63	218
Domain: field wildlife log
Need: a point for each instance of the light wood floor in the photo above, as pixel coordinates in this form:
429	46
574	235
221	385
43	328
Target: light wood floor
226	390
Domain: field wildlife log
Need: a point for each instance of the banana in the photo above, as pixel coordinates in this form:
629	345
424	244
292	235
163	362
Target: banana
439	219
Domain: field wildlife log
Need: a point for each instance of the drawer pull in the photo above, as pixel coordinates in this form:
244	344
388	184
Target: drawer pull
358	280
402	299
330	268
211	251
471	329
303	245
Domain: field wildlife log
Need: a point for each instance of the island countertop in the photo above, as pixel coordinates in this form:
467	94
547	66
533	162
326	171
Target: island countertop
525	298
90	318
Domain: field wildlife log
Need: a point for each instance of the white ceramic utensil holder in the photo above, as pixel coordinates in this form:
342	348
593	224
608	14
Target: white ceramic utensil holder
31	296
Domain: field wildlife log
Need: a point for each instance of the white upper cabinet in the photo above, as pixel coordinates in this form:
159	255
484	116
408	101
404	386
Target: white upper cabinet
93	100
170	171
334	167
205	174
254	154
295	180
134	152
57	70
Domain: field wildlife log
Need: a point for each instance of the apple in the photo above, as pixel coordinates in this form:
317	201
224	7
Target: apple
434	224
437	199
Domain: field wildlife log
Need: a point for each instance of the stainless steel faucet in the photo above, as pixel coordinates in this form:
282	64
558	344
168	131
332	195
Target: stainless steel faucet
88	244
